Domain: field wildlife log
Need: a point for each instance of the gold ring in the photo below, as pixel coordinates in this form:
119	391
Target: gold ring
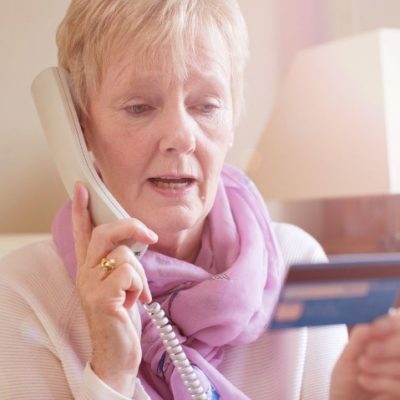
107	264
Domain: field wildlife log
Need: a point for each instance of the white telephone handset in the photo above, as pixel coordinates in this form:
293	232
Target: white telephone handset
53	100
60	123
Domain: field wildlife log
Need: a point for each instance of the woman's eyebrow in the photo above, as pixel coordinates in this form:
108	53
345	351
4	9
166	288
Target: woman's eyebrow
124	86
126	76
210	81
124	90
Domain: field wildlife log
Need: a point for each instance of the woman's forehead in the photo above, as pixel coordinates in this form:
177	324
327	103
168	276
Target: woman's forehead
207	63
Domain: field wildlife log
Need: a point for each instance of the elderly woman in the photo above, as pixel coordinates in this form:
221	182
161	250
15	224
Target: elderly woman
158	89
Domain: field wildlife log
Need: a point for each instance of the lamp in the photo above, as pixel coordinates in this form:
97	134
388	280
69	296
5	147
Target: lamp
335	128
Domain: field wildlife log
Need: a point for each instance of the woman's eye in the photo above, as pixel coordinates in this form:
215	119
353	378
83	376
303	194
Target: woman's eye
207	108
138	109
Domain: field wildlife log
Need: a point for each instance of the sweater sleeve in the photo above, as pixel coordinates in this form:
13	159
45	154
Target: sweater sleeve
29	365
94	388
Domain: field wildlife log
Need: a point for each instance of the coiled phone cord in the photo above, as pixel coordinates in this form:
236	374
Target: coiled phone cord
175	351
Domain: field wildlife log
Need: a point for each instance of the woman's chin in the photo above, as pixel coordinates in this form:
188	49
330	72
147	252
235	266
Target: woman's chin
168	225
174	221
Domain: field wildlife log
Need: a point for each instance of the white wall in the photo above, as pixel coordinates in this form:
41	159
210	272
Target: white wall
30	190
261	77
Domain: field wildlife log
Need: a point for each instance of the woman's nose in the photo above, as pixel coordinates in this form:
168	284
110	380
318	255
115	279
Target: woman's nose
178	133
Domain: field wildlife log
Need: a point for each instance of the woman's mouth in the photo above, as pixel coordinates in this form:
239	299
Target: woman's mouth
170	183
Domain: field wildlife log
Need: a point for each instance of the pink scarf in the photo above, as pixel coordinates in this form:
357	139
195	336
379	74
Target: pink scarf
226	298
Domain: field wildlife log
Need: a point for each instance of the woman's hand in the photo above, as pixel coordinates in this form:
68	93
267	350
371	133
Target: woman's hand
108	297
379	364
369	367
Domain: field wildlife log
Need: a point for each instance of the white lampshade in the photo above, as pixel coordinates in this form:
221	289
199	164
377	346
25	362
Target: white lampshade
335	128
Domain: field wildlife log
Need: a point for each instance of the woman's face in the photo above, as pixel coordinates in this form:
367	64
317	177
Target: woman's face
160	142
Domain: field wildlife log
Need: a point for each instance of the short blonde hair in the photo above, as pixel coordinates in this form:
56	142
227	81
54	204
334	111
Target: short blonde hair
93	31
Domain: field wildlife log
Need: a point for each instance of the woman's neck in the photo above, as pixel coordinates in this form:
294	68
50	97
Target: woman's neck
183	245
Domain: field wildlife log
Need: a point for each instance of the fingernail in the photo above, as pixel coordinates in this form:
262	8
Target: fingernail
153	236
149	298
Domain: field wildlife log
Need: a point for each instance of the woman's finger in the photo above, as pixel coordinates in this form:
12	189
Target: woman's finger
359	337
386	325
382	385
125	283
118	288
124	255
107	236
370	366
81	220
384	349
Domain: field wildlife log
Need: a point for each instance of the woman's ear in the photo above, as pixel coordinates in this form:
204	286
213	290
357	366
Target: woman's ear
85	126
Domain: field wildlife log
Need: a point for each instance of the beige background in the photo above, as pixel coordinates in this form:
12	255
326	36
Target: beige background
30	190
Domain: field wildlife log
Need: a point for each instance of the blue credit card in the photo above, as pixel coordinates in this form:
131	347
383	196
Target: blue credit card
341	292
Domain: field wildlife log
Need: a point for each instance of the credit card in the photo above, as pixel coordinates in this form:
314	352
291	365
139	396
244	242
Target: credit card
339	292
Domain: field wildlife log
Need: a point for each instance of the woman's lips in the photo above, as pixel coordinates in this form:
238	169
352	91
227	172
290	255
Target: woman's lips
172	184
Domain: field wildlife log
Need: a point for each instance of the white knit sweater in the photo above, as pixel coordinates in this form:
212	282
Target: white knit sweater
44	338
45	344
